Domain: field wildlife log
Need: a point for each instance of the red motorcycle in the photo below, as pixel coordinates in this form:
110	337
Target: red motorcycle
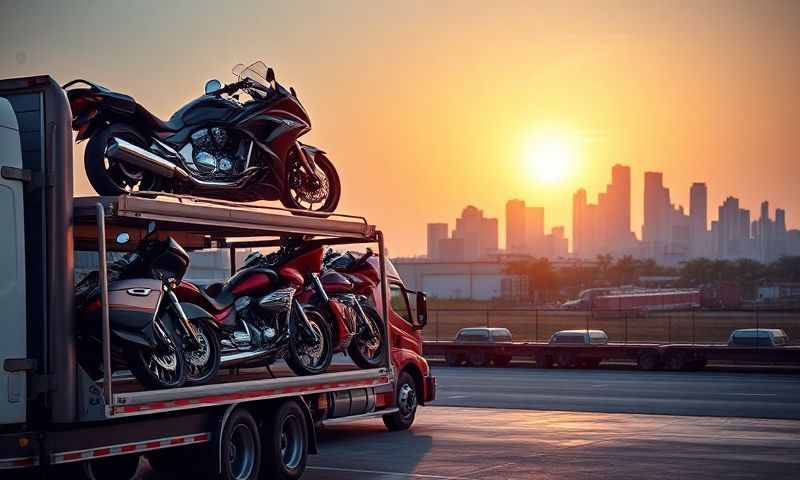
259	316
344	293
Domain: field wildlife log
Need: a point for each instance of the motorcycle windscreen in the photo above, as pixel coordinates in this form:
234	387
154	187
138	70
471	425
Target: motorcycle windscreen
132	304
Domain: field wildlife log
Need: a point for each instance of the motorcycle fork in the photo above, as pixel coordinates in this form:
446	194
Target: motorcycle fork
186	325
307	163
305	324
364	318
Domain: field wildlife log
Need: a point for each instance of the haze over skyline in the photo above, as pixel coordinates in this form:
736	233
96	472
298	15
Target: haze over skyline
425	108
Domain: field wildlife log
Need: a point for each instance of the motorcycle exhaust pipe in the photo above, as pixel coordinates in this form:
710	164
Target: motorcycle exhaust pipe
127	152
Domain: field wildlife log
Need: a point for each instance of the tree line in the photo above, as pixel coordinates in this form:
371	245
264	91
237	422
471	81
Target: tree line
545	283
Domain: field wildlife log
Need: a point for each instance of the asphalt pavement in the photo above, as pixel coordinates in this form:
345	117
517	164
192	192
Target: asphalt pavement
714	393
449	443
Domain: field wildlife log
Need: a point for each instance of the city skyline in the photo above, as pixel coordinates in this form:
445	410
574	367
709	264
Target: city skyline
669	233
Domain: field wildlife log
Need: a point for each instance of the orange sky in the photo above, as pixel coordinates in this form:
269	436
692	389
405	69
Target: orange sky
425	108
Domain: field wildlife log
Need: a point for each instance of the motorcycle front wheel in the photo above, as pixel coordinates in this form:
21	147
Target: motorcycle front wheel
202	363
112	177
160	367
306	357
367	350
302	193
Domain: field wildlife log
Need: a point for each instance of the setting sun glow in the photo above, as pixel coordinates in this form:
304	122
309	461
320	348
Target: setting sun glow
551	158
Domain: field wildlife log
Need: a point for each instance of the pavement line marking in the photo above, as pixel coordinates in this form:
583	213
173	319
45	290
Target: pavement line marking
379	472
457	396
494	467
753	394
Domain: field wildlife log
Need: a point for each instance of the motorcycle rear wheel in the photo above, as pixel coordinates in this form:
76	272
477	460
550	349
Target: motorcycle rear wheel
111	177
295	197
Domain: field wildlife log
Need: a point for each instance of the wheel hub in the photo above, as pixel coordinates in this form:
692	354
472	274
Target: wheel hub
406	399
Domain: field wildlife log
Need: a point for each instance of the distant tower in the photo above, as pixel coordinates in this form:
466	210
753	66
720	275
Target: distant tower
515	225
534	231
621	195
436	233
579	222
698	207
653	228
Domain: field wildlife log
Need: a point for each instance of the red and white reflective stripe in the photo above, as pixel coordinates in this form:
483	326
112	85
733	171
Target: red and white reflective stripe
240	396
77	455
18	462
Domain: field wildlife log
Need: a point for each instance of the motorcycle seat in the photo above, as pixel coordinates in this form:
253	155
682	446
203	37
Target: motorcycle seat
172	125
223	296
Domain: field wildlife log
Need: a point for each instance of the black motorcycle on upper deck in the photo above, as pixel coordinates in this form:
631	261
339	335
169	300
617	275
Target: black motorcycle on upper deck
217	146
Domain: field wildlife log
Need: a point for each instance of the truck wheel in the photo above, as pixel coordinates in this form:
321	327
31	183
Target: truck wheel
406	401
241	447
591	363
544	361
649	360
677	361
565	360
285	444
478	358
452	360
501	360
122	467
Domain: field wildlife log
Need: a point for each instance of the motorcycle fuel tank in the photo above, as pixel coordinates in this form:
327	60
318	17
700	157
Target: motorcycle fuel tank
335	282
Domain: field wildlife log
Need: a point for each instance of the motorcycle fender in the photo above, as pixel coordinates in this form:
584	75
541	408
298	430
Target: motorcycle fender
143	337
342	330
194	312
310	153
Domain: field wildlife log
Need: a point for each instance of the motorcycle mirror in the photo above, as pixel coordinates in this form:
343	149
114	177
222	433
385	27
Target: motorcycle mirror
212	86
123	238
270	75
294	94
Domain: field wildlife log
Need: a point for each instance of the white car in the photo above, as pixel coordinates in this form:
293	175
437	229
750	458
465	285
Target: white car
758	337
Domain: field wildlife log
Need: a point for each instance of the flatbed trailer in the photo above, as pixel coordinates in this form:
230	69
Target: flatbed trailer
57	418
648	356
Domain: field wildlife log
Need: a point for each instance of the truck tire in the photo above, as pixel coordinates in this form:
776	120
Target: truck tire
241	447
677	361
565	360
501	360
544	361
478	358
452	359
649	360
285	443
406	402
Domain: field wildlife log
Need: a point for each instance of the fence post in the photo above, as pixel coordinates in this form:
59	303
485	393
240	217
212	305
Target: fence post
536	327
693	327
487	318
626	326
437	326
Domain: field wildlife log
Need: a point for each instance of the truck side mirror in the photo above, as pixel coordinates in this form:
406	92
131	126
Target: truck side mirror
422	311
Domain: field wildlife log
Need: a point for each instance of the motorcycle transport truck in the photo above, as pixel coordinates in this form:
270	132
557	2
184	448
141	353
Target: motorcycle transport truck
57	418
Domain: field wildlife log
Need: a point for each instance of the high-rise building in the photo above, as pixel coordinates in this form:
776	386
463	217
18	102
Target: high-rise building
534	231
604	227
698	220
436	233
515	226
732	235
656	201
557	244
579	223
478	233
698	207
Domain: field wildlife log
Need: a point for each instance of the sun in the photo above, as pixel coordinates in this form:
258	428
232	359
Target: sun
550	157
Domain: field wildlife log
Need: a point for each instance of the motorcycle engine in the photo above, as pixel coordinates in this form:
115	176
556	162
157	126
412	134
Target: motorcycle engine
216	152
262	330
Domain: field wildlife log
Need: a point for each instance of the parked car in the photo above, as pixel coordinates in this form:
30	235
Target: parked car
477	357
573	357
582	337
758	337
